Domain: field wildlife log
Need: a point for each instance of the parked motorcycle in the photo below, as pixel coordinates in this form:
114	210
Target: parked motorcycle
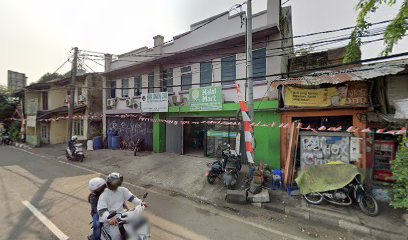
337	184
133	225
216	169
77	154
6	139
232	168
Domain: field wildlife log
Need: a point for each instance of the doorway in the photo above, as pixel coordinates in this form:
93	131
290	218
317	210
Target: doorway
45	133
194	137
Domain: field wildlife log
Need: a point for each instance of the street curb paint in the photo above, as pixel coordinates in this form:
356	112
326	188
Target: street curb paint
51	226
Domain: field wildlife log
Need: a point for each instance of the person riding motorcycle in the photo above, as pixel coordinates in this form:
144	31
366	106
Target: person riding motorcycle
96	185
111	200
71	143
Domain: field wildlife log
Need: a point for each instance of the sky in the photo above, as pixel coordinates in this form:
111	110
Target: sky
37	36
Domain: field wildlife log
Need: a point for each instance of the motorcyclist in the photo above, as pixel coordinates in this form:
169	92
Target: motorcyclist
71	144
111	200
96	185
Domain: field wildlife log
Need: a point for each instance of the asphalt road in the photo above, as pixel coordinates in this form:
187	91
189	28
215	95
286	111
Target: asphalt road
45	198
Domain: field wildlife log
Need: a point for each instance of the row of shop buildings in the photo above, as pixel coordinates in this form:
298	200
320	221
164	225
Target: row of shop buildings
181	97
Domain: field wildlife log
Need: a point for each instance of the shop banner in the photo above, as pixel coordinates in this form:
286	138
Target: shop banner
346	95
155	102
206	99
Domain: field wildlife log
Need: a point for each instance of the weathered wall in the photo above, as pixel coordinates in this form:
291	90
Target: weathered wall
58	131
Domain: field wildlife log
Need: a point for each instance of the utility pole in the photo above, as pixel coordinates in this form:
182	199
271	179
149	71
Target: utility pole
71	103
249	60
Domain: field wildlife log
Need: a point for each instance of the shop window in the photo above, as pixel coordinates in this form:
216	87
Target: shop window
150	82
205	74
259	64
78	127
137	83
186	78
167	84
125	87
113	89
228	70
216	135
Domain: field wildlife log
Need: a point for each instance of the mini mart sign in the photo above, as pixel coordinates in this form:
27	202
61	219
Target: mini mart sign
206	99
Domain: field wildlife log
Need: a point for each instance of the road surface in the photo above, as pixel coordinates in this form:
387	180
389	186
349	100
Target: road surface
46	198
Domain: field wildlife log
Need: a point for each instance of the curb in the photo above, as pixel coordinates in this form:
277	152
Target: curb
22	145
333	220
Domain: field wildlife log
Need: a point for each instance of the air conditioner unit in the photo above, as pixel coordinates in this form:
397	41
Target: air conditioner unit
129	102
111	102
179	98
81	98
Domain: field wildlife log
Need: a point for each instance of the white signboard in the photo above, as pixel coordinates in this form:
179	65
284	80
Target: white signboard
31	121
354	149
155	102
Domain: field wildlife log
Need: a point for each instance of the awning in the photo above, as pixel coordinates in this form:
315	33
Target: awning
360	73
60	110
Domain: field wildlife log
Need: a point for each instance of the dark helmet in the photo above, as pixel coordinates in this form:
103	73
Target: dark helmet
114	180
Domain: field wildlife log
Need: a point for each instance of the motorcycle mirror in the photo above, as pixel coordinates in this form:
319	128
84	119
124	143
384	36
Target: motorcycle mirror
145	195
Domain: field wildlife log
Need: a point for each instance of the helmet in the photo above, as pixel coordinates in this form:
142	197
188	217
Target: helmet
114	180
74	138
96	184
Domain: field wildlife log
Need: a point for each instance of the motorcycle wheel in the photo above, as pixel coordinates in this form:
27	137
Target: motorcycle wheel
313	198
67	155
368	205
211	178
81	158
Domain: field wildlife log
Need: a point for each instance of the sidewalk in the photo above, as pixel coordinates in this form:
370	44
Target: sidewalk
184	175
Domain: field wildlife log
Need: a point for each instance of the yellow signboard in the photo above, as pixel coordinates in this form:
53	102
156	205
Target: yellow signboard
352	94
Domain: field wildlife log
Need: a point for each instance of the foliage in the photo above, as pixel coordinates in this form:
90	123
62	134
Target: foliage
49	76
400	173
7	107
15	131
395	30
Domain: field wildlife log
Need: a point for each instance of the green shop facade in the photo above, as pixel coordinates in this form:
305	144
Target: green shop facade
203	139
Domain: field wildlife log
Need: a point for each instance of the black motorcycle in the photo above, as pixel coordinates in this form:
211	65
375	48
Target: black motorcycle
345	196
232	168
6	139
215	169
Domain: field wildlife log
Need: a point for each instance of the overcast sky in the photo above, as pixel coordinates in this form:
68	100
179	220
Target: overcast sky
36	36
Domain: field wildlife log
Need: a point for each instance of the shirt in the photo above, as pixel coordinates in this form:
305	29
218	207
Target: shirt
111	201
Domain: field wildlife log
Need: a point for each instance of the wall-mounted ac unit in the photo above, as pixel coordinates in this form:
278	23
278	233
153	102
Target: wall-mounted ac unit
111	102
129	102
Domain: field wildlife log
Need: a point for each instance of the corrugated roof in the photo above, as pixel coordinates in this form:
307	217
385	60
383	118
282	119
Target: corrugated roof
360	73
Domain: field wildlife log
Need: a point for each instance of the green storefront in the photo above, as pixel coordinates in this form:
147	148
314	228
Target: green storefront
195	138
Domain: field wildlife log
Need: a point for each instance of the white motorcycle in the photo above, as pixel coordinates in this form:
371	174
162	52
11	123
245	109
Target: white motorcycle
132	224
77	155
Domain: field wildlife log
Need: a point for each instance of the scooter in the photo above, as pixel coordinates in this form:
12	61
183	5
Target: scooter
133	225
77	155
6	139
216	169
232	168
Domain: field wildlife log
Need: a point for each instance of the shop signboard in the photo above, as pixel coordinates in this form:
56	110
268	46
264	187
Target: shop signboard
206	99
323	148
155	102
31	121
345	95
221	134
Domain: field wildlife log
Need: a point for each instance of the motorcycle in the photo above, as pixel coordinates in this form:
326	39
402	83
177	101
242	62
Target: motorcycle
351	190
132	224
6	139
216	169
138	146
77	154
232	168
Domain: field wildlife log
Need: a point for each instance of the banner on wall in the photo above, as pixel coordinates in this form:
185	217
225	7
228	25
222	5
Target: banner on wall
155	102
32	106
31	121
205	99
345	95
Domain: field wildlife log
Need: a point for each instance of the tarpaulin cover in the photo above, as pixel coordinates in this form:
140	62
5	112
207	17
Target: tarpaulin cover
325	177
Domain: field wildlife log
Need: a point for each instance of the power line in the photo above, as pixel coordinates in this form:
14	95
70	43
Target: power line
280	74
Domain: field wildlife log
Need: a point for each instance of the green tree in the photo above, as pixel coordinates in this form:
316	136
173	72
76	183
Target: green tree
394	31
49	76
7	107
400	174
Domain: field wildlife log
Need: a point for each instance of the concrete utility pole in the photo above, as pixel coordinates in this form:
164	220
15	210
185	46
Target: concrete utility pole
71	103
249	60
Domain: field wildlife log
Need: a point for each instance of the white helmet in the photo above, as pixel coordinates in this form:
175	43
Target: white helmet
96	183
74	138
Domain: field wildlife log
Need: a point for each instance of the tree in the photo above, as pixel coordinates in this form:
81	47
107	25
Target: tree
7	107
49	76
400	173
394	31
